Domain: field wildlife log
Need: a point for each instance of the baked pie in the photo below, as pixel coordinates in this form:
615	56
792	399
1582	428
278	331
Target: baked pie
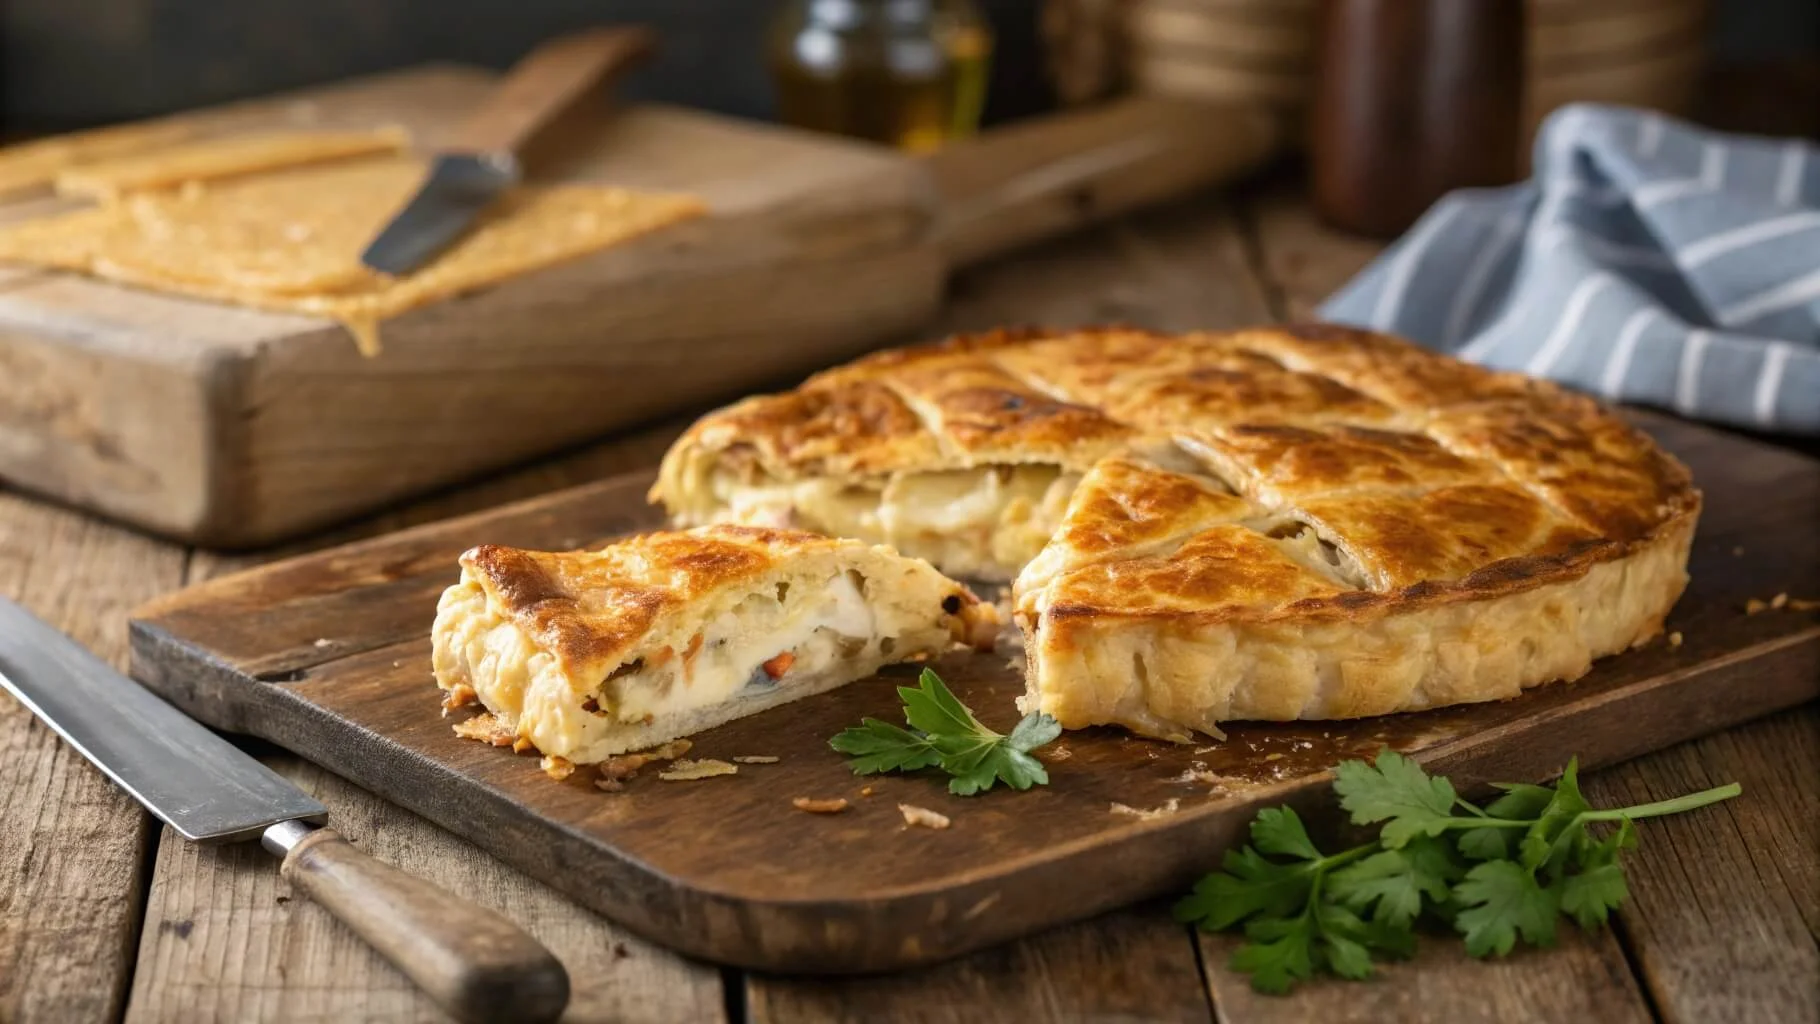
1301	522
587	654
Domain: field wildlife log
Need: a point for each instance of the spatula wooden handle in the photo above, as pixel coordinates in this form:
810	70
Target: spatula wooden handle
475	964
548	82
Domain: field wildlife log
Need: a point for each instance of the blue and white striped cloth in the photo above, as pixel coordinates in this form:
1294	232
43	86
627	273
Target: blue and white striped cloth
1647	261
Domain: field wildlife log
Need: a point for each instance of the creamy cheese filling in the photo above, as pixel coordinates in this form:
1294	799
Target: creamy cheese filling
985	523
740	648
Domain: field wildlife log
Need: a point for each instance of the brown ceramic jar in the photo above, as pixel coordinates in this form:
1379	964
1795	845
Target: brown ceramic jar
1413	98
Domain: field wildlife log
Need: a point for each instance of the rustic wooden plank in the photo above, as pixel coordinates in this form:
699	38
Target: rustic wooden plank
1725	903
72	846
226	939
1584	978
1135	965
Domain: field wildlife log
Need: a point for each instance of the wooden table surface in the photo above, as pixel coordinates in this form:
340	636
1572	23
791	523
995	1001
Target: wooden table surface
106	915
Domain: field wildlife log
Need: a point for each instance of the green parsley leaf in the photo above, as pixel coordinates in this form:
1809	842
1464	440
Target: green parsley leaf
877	746
1248	885
945	734
933	708
1590	896
1305	912
1390	941
1520	802
1391	885
1394	790
1278	831
1280	953
1032	731
1606	851
1343	941
1598	888
1558	829
1501	899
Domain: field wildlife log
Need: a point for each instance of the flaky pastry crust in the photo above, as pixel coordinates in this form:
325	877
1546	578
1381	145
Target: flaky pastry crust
1308	521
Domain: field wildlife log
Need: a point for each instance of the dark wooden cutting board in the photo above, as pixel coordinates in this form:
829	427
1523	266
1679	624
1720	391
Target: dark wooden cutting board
328	655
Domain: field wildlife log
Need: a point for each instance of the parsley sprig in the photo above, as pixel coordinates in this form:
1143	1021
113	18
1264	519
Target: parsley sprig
1496	874
944	734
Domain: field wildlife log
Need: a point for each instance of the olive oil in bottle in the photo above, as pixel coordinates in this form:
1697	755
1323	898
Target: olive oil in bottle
907	73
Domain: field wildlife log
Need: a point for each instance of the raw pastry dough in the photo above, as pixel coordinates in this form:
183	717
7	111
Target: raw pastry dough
225	157
33	164
291	240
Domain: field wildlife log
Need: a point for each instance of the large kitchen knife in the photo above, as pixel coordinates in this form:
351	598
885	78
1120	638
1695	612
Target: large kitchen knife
485	158
478	965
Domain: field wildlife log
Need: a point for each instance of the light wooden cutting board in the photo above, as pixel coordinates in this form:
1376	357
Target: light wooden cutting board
233	427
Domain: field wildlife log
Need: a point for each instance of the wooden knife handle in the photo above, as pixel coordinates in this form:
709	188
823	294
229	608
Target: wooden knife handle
475	964
547	82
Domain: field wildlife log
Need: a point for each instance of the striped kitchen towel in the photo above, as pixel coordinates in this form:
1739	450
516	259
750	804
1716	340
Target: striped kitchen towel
1648	261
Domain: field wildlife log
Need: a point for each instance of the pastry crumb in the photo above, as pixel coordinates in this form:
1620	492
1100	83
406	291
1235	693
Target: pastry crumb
624	766
522	744
486	729
606	785
1273	757
757	759
865	791
1781	601
1055	753
558	768
1205	750
1172	805
460	695
1674	639
923	816
688	771
1200	775
813	806
323	641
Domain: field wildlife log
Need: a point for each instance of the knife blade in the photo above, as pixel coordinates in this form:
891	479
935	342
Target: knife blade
477	964
485	160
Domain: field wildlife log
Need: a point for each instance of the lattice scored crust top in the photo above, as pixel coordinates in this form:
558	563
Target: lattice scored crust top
1285	522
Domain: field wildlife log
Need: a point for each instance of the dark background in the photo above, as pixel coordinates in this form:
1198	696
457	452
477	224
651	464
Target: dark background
72	63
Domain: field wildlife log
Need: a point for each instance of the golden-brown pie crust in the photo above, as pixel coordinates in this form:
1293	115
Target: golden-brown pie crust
1308	521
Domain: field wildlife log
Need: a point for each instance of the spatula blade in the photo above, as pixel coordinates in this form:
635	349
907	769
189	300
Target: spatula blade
460	186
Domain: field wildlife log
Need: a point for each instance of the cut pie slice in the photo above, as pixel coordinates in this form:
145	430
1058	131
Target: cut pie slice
943	452
587	654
